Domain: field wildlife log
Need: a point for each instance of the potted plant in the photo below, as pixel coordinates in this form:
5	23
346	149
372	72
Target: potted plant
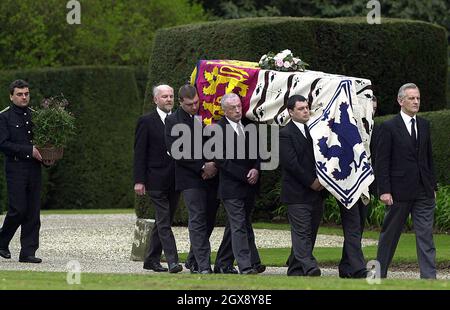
53	128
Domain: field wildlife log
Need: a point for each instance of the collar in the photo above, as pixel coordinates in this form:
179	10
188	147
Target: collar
162	114
300	126
407	119
234	124
19	110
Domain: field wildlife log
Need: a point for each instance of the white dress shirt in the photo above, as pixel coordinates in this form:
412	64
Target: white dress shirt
234	125
407	120
301	127
162	114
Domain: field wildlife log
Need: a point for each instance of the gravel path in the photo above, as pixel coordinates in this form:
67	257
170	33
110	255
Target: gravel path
102	243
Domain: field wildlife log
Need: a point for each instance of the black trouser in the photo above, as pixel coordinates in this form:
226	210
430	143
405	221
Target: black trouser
24	182
161	238
422	211
195	200
352	263
243	238
305	221
224	255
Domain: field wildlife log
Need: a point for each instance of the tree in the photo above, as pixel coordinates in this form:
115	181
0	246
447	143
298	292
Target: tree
36	34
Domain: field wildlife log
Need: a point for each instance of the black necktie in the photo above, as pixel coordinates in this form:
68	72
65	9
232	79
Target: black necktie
308	136
413	132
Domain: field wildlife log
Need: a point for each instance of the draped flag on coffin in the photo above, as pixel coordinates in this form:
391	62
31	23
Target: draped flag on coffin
341	115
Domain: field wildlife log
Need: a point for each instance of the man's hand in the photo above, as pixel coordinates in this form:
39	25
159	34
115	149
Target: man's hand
209	171
139	189
316	186
36	154
252	176
386	198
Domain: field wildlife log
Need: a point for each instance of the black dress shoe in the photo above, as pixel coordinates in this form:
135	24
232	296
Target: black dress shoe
250	271
260	268
225	270
362	274
314	272
5	253
175	268
30	259
156	267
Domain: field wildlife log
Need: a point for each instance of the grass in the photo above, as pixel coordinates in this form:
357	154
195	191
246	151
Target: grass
27	280
404	255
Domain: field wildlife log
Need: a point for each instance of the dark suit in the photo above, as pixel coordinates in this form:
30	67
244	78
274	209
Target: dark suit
156	169
238	197
188	179
23	178
224	257
373	150
407	173
305	206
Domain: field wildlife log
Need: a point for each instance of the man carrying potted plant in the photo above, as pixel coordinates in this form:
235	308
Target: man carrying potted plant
23	175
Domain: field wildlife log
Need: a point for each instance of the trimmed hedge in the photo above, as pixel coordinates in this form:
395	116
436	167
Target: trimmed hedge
448	87
96	171
390	54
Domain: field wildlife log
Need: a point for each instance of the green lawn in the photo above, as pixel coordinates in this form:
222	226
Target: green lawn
405	253
57	281
327	257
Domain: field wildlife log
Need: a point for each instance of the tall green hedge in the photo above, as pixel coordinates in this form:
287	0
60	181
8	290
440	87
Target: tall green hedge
96	171
448	87
389	54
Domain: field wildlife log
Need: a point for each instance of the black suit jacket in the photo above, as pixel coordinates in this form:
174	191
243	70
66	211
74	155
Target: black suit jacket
399	168
298	166
152	165
373	150
233	172
188	171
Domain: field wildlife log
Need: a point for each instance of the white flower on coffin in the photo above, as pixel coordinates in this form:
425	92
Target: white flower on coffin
283	61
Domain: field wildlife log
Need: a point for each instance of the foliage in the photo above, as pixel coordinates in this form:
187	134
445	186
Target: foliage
436	11
36	34
339	46
442	212
332	213
53	125
97	168
283	61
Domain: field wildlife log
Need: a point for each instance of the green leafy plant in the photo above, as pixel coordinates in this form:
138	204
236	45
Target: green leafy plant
53	124
442	212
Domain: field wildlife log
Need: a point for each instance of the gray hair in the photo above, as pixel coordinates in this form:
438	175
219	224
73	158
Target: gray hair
157	88
225	98
401	91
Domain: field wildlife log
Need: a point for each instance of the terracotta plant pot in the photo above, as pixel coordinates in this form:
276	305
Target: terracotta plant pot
50	154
